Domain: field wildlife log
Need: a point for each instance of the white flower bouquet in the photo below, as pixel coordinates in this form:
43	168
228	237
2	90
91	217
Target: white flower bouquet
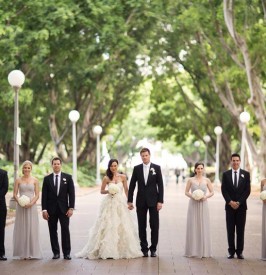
113	189
23	200
263	195
197	194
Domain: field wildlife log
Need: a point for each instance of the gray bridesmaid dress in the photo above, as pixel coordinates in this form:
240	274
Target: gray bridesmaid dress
26	241
198	238
263	233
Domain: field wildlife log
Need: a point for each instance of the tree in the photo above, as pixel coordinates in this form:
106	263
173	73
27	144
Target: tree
76	60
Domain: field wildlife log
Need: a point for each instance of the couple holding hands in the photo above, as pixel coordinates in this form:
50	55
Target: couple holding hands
113	234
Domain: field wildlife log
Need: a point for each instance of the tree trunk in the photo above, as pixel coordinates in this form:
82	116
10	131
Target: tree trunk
256	95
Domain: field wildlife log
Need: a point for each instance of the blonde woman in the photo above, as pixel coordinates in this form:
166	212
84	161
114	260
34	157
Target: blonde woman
26	242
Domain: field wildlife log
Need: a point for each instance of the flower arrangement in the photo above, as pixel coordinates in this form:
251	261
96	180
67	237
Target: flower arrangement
197	194
153	171
263	195
23	200
113	189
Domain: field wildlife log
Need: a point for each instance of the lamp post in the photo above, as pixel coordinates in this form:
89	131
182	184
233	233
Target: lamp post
16	79
97	130
206	139
244	118
218	131
74	117
197	145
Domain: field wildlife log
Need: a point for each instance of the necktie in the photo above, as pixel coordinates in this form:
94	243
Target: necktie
56	183
235	179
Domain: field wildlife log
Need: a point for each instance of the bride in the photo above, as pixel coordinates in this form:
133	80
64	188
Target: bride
113	234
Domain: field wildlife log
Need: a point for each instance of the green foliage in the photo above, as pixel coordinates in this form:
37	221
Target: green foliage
60	47
86	178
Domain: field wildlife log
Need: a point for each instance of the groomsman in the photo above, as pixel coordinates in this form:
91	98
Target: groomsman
3	212
58	201
235	190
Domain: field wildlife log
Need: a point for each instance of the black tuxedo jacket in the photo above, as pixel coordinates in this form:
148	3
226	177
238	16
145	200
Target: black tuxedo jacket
64	200
241	193
151	193
3	186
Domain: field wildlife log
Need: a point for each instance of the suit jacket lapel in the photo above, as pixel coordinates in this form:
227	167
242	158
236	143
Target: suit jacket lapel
149	173
230	173
51	180
241	178
142	172
61	183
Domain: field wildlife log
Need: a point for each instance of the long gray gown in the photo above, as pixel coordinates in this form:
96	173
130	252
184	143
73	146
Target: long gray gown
263	233
198	239
26	241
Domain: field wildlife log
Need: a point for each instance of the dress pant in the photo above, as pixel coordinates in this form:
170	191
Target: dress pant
65	234
3	212
142	225
235	223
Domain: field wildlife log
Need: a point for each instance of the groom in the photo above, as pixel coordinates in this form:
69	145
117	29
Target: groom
58	201
149	198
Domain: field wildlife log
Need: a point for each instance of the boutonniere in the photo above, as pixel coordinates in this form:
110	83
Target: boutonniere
64	180
242	175
153	171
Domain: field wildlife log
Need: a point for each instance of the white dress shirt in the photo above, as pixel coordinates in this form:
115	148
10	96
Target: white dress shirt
59	180
237	176
146	169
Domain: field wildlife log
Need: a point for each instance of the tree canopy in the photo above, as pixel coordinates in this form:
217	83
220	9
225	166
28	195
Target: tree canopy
204	59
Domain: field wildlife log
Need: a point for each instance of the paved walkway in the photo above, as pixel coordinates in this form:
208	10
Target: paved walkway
171	244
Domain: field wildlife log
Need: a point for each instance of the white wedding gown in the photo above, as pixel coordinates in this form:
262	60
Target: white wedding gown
113	235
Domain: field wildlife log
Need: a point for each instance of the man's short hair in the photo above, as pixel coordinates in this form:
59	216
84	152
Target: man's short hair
235	155
56	158
143	150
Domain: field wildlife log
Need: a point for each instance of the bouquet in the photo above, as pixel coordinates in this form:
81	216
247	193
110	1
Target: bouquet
113	189
263	195
197	194
23	200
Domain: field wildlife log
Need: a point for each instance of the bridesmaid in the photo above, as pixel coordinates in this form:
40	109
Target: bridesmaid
263	233
26	243
198	239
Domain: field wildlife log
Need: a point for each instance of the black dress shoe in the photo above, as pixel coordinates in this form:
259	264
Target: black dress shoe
153	254
240	256
145	254
3	258
67	257
230	256
56	256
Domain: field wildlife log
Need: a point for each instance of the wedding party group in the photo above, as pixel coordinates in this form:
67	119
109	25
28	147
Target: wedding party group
114	234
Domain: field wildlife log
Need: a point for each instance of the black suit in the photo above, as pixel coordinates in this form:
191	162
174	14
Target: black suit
3	210
236	219
147	198
57	207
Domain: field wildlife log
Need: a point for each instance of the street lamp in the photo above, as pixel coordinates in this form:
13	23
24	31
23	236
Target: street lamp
197	145
97	130
206	139
218	131
244	118
16	79
74	117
